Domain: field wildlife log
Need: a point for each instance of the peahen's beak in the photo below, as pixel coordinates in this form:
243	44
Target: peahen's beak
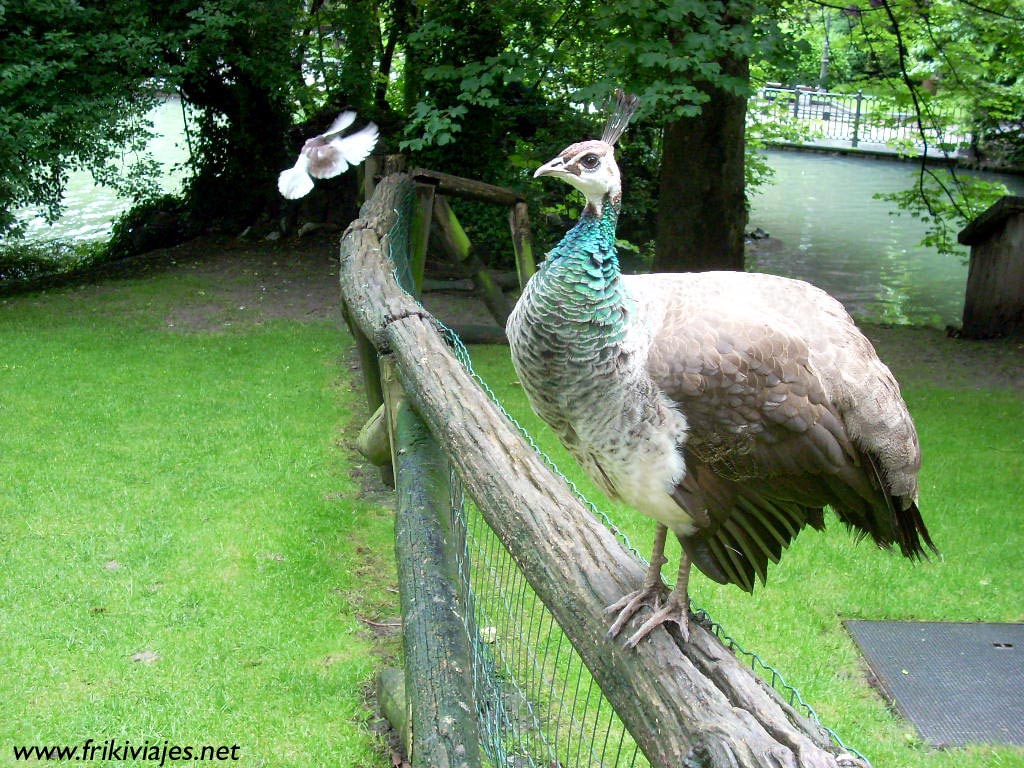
554	167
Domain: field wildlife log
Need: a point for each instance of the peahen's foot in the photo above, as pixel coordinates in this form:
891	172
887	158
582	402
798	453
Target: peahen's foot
650	591
649	594
676	608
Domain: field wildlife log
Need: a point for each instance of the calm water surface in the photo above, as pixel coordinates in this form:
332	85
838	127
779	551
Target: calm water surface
827	229
91	210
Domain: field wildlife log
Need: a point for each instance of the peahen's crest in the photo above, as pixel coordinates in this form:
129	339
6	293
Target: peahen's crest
590	165
622	111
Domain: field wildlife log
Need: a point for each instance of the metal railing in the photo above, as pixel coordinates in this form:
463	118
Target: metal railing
860	119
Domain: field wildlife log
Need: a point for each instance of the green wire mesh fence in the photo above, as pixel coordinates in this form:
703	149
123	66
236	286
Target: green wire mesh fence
536	702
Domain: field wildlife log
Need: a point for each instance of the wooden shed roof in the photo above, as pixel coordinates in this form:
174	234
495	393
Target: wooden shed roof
992	219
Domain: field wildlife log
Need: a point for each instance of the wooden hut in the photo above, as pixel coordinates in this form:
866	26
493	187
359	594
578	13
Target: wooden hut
994	304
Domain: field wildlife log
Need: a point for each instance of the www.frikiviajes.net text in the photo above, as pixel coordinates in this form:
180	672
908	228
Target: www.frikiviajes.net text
124	750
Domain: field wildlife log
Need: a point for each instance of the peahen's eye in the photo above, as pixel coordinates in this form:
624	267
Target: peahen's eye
590	161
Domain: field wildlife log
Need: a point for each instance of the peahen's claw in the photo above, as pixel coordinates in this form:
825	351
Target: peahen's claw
629	604
676	609
649	594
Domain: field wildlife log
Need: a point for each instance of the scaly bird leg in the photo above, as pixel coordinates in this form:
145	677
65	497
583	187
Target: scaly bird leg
676	608
649	592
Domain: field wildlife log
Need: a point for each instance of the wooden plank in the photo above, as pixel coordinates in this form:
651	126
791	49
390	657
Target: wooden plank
373	441
454	240
438	660
994	300
393	164
469	189
690	703
419	237
522	242
505	280
394	703
991	220
368	173
370	371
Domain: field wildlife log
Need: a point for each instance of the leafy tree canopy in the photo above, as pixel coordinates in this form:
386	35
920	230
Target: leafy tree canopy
949	64
73	93
466	86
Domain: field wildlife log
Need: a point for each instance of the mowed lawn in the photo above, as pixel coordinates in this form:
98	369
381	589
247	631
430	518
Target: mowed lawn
185	552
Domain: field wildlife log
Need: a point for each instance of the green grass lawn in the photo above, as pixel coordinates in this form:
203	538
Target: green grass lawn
184	550
972	488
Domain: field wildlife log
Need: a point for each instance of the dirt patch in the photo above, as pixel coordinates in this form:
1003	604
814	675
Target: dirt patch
251	282
930	356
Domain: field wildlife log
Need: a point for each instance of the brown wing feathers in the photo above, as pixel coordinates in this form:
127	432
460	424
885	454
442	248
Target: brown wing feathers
906	526
767	451
743	529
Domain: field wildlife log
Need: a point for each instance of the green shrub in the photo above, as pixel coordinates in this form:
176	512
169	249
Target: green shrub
159	222
23	261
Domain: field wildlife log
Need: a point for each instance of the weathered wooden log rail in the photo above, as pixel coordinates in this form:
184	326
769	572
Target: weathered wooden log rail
685	704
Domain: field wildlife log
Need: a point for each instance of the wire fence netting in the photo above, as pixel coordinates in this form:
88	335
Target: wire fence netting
537	704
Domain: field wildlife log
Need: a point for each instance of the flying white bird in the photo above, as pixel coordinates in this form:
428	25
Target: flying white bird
327	155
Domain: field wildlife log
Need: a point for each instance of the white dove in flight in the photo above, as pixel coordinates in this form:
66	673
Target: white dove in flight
327	155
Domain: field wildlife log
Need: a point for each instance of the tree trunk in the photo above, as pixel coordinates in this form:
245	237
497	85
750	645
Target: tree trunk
702	210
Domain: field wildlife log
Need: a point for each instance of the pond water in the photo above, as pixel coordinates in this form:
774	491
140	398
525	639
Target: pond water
827	229
91	210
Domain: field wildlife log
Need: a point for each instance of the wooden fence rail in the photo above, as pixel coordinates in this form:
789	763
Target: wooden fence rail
692	704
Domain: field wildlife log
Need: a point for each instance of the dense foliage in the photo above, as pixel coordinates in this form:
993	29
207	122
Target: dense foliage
72	94
481	89
949	64
929	54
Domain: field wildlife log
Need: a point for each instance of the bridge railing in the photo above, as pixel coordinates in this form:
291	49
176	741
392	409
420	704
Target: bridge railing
860	119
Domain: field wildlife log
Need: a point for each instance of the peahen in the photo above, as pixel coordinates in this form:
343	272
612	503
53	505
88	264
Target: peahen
731	407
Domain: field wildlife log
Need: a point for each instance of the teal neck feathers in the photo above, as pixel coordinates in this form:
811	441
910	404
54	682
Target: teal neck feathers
580	278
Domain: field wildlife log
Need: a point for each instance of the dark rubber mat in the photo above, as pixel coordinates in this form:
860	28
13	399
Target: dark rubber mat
958	683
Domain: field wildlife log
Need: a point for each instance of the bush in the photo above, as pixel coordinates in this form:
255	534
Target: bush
24	262
29	265
156	223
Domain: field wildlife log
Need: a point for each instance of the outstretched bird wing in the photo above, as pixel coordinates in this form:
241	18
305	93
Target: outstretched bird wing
327	155
295	182
769	438
341	122
339	153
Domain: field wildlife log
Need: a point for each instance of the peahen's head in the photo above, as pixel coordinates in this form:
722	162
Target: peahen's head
590	165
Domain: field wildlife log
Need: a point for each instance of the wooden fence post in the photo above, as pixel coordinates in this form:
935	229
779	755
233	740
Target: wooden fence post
438	657
419	236
522	241
456	242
